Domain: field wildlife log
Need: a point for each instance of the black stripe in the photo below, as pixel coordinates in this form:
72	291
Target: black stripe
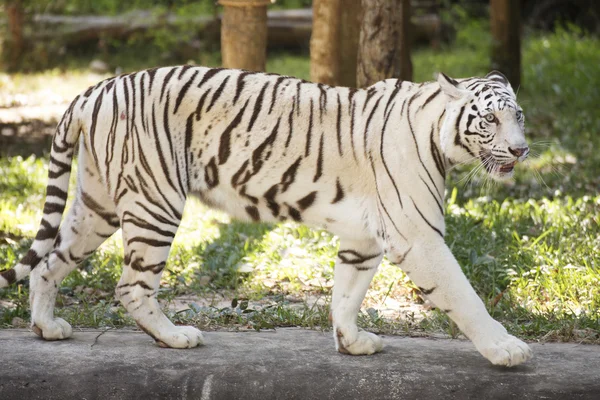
417	145
253	213
427	291
310	128
200	105
31	258
274	94
158	147
307	201
240	86
381	201
433	96
246	195
52	190
270	197
183	91
439	163
167	131
141	284
46	231
51	208
437	200
184	68
129	217
387	170
148	241
290	126
457	138
390	100
297	99
237	178
322	100
151	74
157	188
208	75
143	102
166	81
217	94
156	216
257	154
60	255
295	214
369	122
211	174
339	192
10	276
189	155
425	219
370	92
338	125
289	176
352	117
354	257
91	204
92	133
257	106
319	170
225	142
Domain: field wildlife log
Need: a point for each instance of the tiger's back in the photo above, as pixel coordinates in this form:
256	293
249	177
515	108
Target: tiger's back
258	146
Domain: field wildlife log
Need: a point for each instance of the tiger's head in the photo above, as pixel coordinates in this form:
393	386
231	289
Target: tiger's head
484	122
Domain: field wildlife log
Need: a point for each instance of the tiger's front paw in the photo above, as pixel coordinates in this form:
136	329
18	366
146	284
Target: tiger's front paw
56	329
181	337
357	342
502	348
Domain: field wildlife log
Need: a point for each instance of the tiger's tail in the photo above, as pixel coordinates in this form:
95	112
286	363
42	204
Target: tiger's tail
59	172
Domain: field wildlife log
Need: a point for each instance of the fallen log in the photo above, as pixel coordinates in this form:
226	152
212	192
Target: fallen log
286	28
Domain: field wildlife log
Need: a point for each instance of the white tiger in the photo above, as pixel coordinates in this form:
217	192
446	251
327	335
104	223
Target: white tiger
368	165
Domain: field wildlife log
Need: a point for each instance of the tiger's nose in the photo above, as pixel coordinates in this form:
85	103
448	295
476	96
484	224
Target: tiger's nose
519	152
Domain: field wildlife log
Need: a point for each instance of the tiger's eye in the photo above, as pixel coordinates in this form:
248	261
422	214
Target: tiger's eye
519	114
490	117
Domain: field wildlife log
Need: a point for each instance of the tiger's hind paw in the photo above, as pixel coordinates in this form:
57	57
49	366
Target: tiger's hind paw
182	337
364	343
56	329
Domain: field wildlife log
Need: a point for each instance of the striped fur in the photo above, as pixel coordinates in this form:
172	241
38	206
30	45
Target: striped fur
369	165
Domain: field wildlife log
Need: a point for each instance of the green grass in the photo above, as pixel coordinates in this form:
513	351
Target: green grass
530	247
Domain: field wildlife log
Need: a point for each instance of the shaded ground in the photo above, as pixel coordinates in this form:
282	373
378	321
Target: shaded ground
283	364
28	130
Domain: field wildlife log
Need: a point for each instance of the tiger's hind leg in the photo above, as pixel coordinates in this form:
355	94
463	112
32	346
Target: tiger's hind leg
86	227
148	231
356	264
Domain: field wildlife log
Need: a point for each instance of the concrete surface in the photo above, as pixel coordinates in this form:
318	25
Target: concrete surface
286	364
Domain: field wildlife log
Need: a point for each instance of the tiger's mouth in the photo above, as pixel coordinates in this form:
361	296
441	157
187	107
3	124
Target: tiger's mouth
493	167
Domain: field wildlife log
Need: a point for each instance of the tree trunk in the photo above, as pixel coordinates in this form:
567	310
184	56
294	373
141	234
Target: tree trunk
349	37
384	48
244	34
324	42
506	34
14	11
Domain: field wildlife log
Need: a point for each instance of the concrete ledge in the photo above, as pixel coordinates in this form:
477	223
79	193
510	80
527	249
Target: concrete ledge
286	364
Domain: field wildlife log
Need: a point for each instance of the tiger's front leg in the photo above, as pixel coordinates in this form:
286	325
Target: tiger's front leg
431	266
356	264
146	251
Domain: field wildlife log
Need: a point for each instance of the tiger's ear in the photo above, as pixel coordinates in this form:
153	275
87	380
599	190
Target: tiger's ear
450	86
500	78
